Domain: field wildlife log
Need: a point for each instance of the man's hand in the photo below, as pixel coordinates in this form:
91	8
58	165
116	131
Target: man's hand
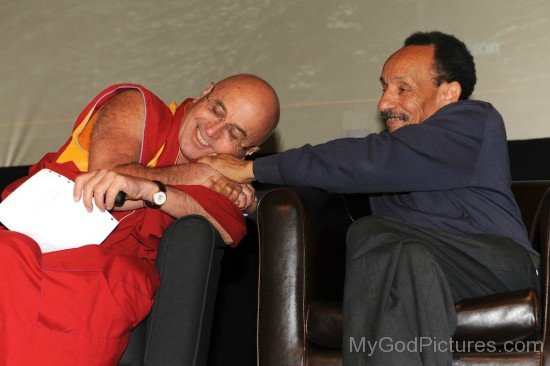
233	168
241	194
103	185
225	187
248	195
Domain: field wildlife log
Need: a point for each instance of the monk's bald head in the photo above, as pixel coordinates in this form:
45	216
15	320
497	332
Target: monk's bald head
254	96
231	117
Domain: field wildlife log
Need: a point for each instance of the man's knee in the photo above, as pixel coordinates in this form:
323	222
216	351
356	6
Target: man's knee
416	253
369	233
378	236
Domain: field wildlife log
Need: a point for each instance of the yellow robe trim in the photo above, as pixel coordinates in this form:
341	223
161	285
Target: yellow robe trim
75	152
155	159
173	106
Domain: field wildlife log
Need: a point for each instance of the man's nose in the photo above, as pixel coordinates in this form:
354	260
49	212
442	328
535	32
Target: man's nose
215	129
387	101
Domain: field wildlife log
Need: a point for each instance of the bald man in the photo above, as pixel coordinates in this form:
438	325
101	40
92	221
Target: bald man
78	306
232	117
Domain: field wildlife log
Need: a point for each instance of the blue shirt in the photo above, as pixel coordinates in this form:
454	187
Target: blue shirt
450	172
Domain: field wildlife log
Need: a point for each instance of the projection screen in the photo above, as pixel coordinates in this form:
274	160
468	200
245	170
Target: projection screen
323	57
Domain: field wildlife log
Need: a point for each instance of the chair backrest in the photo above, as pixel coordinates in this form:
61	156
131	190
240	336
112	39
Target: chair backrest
530	196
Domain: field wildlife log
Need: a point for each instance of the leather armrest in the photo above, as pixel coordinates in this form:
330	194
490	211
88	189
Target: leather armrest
499	317
302	257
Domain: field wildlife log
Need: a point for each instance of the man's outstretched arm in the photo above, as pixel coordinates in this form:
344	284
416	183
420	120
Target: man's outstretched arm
235	169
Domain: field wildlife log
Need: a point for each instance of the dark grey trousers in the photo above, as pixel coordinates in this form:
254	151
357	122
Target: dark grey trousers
402	282
177	331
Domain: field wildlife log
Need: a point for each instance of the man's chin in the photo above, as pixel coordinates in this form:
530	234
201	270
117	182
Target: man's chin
196	154
191	156
394	126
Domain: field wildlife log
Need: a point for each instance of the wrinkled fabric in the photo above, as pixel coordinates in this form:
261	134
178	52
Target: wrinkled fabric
70	307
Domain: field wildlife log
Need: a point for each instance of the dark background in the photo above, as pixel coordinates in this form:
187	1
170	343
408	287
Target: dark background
233	339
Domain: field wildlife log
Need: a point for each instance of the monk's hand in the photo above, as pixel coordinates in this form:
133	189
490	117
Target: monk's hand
238	170
102	187
226	187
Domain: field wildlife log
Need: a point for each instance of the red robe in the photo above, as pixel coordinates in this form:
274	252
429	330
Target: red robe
78	306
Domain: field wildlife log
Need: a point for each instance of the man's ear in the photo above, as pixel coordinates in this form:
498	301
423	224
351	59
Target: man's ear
451	92
206	90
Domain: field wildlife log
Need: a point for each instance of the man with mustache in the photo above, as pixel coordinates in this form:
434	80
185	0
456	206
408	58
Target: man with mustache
445	225
78	306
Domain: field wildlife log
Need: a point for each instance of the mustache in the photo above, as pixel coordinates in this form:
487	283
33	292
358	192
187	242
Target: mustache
386	115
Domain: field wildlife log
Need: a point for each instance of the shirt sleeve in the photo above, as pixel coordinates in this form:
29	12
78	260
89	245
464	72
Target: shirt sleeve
441	153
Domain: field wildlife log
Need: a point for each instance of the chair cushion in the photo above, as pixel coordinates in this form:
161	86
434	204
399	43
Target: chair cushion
498	318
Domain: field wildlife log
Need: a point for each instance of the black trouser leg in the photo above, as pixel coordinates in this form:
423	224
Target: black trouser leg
402	282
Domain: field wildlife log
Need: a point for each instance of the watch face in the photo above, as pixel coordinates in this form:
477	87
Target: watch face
159	198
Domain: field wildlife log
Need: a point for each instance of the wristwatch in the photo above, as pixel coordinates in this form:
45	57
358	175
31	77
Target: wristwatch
159	197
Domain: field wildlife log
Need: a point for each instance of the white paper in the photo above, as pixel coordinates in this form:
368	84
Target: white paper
44	209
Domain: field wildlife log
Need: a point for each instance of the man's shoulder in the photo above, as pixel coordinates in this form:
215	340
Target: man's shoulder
472	119
469	113
138	91
127	88
470	106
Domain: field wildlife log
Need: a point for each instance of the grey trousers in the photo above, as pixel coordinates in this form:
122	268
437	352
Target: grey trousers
402	282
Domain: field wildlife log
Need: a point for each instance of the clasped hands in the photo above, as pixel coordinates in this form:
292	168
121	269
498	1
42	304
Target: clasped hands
233	174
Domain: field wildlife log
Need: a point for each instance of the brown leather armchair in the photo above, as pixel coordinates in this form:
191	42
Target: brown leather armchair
302	256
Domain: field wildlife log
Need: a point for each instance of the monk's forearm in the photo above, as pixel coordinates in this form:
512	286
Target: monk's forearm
180	204
180	174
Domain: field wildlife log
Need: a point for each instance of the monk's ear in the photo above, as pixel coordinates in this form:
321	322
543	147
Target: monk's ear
206	90
450	92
